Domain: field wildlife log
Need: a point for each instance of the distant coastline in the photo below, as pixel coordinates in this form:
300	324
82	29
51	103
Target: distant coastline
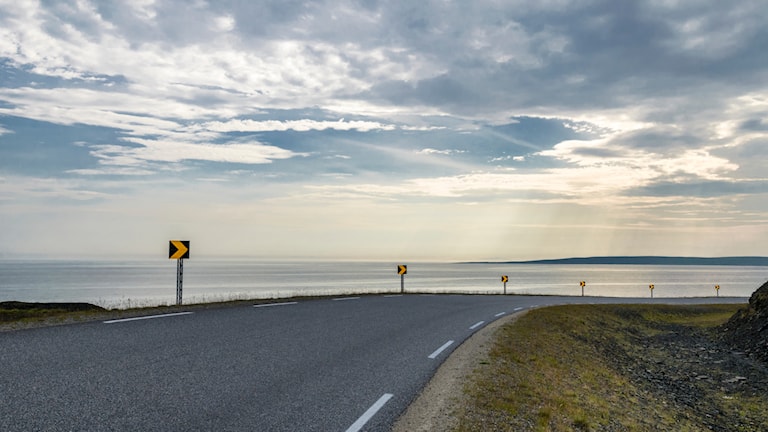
646	260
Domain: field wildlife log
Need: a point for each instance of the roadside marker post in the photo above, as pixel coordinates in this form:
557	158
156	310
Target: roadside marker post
717	290
504	280
651	286
179	250
583	284
402	270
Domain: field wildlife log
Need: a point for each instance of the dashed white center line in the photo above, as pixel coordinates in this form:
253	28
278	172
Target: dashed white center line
476	325
518	309
356	426
393	295
499	314
274	304
441	349
346	298
146	317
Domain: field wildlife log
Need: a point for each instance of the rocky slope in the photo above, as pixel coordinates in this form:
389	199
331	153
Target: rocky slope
747	330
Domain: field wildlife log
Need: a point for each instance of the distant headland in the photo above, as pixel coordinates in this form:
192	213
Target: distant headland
647	260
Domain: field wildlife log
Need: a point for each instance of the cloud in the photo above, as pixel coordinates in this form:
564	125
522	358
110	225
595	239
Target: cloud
175	152
704	189
555	104
431	151
16	191
297	125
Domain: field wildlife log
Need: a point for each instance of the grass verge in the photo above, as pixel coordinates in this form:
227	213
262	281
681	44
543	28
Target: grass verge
13	311
616	368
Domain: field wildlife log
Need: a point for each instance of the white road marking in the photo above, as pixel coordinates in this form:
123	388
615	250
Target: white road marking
146	317
393	295
441	349
476	325
274	304
517	309
346	298
499	314
356	426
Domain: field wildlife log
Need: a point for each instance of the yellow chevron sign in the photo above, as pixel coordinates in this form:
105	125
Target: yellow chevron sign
178	249
582	283
402	269
505	279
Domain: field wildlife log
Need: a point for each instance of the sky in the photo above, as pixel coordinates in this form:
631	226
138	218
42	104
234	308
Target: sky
383	130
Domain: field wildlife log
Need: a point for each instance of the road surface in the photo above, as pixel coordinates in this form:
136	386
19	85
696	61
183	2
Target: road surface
335	364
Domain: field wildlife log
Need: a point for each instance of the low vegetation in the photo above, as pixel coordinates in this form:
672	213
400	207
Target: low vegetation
13	311
617	368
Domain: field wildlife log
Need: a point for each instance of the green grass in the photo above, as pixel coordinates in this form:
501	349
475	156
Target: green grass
13	311
558	369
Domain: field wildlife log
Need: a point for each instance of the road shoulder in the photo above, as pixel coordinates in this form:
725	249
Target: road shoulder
436	408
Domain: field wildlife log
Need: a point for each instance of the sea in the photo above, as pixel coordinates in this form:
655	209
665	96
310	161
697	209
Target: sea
141	283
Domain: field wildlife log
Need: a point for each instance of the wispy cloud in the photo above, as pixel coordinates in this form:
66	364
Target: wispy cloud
297	125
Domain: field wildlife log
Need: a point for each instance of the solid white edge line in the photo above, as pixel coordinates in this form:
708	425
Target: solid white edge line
500	314
517	309
393	295
345	298
274	304
476	325
146	317
356	426
441	349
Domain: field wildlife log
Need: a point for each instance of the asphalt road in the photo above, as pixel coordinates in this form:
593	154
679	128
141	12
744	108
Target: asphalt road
343	364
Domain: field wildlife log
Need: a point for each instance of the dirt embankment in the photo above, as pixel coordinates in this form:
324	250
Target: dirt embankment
747	330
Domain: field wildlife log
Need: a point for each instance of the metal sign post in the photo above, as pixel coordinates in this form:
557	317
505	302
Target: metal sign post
504	280
179	250
402	270
651	286
717	289
179	279
583	284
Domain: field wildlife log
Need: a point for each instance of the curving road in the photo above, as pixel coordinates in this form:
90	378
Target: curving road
346	364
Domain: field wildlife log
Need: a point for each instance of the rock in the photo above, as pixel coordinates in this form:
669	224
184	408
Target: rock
746	330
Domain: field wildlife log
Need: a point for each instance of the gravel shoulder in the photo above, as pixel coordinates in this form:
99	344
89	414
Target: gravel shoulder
435	409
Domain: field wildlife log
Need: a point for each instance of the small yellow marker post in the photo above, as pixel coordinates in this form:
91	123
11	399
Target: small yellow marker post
717	290
504	280
583	284
651	286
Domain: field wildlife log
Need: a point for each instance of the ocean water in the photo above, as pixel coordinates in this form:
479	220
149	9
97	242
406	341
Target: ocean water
123	284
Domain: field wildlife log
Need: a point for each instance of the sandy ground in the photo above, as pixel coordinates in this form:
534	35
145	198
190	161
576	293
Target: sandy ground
435	408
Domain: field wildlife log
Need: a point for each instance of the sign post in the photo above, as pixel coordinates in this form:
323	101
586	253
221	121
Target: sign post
402	270
504	280
717	290
583	284
179	280
651	286
179	250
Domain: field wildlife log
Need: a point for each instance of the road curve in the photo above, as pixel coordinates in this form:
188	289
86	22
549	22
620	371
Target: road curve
338	364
